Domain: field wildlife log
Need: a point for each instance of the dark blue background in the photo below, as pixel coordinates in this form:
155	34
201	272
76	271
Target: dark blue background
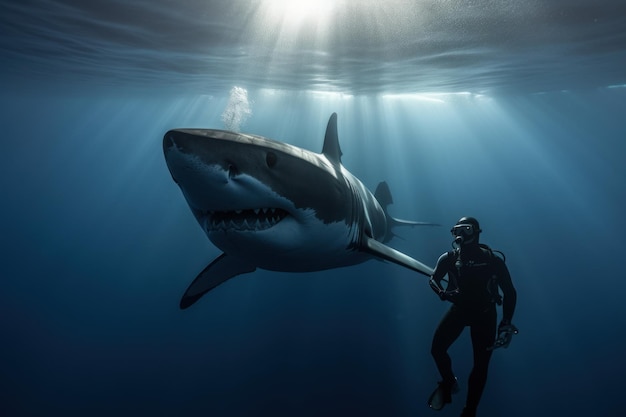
523	128
98	245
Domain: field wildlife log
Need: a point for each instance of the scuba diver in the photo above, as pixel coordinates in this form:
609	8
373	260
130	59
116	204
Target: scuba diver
474	273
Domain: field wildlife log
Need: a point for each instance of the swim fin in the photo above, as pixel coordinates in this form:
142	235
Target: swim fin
442	395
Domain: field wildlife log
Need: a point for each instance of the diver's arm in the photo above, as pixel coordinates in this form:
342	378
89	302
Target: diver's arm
506	329
440	271
509	294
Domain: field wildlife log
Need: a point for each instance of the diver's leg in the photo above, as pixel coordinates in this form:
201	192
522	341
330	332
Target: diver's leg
483	332
448	330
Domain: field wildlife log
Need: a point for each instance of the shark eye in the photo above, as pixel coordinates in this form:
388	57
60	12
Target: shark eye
270	159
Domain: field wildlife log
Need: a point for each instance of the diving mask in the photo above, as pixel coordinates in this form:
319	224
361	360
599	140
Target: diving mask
464	229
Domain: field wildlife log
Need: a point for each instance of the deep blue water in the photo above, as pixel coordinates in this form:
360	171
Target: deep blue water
523	127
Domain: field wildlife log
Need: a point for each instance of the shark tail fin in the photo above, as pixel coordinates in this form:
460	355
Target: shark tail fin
383	195
331	148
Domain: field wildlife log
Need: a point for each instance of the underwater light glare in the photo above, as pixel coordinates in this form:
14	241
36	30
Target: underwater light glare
432	97
333	95
294	11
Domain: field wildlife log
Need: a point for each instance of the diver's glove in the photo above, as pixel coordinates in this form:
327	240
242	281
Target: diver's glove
506	331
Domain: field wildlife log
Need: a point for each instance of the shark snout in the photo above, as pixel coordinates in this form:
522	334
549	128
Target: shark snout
199	151
169	141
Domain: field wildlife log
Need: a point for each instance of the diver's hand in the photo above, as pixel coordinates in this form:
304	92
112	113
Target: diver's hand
507	326
506	331
449	295
436	288
443	295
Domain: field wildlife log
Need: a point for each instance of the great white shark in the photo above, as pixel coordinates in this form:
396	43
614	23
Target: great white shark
274	206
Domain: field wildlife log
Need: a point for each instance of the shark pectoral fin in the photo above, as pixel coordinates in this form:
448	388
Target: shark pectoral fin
383	251
223	268
400	222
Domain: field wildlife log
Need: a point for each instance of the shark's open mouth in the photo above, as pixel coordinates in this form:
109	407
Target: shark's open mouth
242	220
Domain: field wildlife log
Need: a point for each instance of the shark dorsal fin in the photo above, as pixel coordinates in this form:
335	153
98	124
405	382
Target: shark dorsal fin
331	148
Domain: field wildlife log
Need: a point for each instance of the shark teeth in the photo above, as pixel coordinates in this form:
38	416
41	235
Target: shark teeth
244	220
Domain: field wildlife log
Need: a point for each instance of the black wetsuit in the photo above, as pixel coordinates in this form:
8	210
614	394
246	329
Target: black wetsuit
471	271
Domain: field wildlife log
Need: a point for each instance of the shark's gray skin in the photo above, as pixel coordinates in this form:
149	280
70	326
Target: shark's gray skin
274	206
